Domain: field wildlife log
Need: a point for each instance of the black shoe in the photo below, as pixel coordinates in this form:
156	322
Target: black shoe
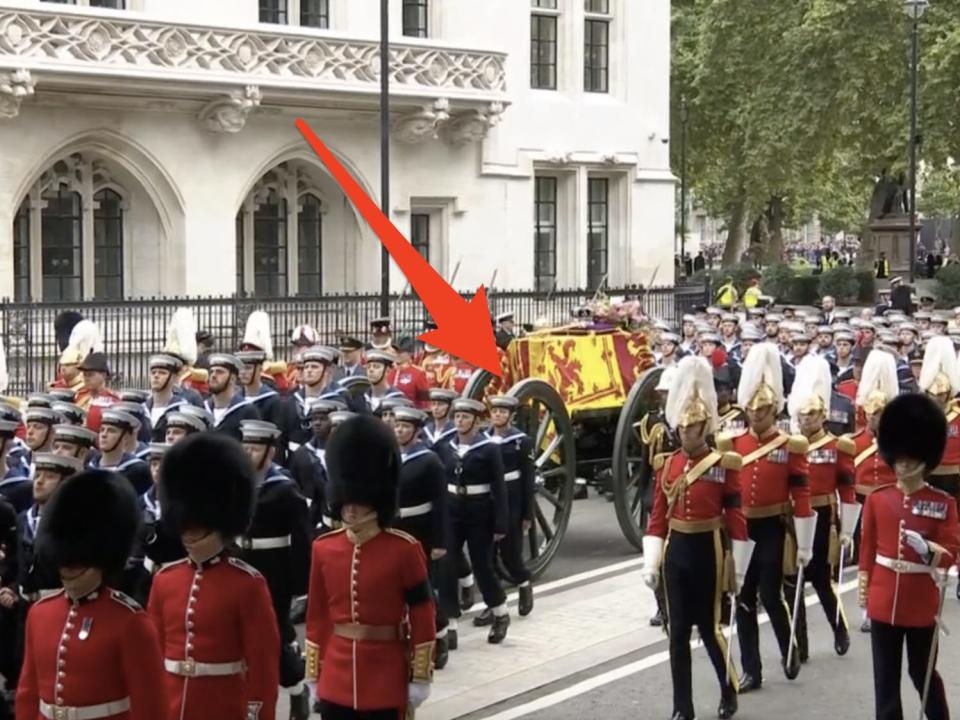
443	653
466	597
803	650
452	639
793	670
865	626
657	620
316	706
728	704
484	619
300	705
526	600
681	716
499	630
750	682
841	640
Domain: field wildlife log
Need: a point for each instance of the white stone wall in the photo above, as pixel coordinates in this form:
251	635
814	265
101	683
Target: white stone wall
480	193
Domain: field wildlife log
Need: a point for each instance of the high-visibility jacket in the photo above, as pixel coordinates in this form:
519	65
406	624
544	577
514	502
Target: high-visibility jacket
727	295
751	297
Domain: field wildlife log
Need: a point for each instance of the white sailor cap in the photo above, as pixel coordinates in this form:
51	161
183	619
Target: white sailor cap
225	360
119	418
507	402
260	432
54	462
469	405
410	415
75	435
186	421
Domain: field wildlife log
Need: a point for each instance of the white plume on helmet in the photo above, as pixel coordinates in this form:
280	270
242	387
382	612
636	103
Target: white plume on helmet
182	336
667	378
813	380
85	338
257	332
939	357
761	368
879	376
693	383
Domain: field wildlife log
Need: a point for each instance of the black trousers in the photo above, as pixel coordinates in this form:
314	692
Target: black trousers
764	577
511	547
691	576
818	573
464	570
472	525
887	642
329	711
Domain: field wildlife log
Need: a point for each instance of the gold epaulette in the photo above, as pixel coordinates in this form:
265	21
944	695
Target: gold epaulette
797	444
10	400
846	445
277	367
731	461
724	442
660	459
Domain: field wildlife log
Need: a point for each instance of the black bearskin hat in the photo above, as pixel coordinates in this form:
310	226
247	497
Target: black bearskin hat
207	482
363	463
63	325
91	520
912	426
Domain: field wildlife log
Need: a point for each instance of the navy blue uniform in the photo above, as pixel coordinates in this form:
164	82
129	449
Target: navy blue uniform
516	451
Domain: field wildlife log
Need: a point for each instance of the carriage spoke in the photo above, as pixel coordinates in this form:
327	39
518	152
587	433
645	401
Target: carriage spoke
549	497
533	541
551	449
542	430
553	472
545	525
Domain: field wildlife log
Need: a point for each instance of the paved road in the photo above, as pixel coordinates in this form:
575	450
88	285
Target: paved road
638	684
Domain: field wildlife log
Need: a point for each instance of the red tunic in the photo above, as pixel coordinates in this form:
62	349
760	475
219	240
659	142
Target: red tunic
412	382
219	612
870	471
94	405
775	476
102	649
848	388
931	513
951	453
462	372
714	493
379	581
831	468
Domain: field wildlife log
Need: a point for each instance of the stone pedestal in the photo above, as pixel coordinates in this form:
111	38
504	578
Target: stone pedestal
891	235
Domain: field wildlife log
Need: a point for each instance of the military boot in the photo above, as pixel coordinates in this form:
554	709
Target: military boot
499	630
841	639
792	670
467	596
525	606
728	703
484	619
300	705
452	640
443	652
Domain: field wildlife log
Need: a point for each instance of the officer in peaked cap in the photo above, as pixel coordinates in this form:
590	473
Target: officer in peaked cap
226	403
506	329
94	396
278	545
351	354
381	334
87	530
115	426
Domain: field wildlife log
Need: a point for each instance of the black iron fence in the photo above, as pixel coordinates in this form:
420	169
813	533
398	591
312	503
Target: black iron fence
132	330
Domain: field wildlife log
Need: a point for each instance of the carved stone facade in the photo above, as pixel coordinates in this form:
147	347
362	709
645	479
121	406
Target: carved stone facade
229	114
14	88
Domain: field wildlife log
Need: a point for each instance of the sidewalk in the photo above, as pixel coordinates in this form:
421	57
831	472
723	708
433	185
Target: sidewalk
568	631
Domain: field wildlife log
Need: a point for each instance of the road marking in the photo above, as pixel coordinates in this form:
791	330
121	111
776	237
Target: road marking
620	673
572	580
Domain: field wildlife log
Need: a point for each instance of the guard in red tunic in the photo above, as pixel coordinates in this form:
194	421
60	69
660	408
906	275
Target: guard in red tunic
909	531
370	609
696	510
830	475
213	612
774	488
91	652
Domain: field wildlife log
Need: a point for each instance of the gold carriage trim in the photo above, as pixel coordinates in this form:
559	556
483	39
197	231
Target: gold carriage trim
422	662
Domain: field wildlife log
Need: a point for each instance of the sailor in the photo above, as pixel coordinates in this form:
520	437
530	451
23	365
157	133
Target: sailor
378	364
71	413
278	545
115	427
213	611
74	441
317	372
16	458
423	505
161	545
302	338
165	396
848	387
182	344
773	486
180	424
364	665
26	577
688	343
440	424
910	540
506	329
478	510
843	361
113	662
38	434
729	333
389	405
226	403
697	504
830	476
266	396
15	486
95	396
132	442
519	474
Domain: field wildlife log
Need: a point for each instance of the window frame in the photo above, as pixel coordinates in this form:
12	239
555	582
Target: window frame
422	9
540	228
99	221
268	246
90	3
74	248
22	255
540	77
295	12
596	78
420	219
318	221
594	278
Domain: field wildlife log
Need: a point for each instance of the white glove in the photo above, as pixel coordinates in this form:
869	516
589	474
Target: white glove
849	515
417	693
652	551
916	542
651	578
805	529
742	552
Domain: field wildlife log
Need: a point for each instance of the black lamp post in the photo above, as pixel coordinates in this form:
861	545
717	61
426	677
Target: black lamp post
385	149
914	10
684	117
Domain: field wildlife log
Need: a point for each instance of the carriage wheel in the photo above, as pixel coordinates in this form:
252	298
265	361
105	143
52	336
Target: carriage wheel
543	416
477	384
628	490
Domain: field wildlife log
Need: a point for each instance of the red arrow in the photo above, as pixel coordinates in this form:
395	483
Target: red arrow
463	328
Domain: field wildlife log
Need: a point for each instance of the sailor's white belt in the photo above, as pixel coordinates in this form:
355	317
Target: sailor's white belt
468	489
416	510
38	594
903	566
192	668
274	543
512	475
87	712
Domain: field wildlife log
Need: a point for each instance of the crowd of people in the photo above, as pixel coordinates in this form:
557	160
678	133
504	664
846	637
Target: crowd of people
788	445
267	484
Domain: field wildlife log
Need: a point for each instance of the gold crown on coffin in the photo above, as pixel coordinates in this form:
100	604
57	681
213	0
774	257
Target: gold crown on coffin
763	396
941	385
694	411
813	404
874	402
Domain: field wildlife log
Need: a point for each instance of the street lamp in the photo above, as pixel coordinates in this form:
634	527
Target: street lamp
385	148
914	10
684	117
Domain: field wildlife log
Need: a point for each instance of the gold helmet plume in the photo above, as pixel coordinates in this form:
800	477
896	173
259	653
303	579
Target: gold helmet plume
761	380
812	388
878	382
692	397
